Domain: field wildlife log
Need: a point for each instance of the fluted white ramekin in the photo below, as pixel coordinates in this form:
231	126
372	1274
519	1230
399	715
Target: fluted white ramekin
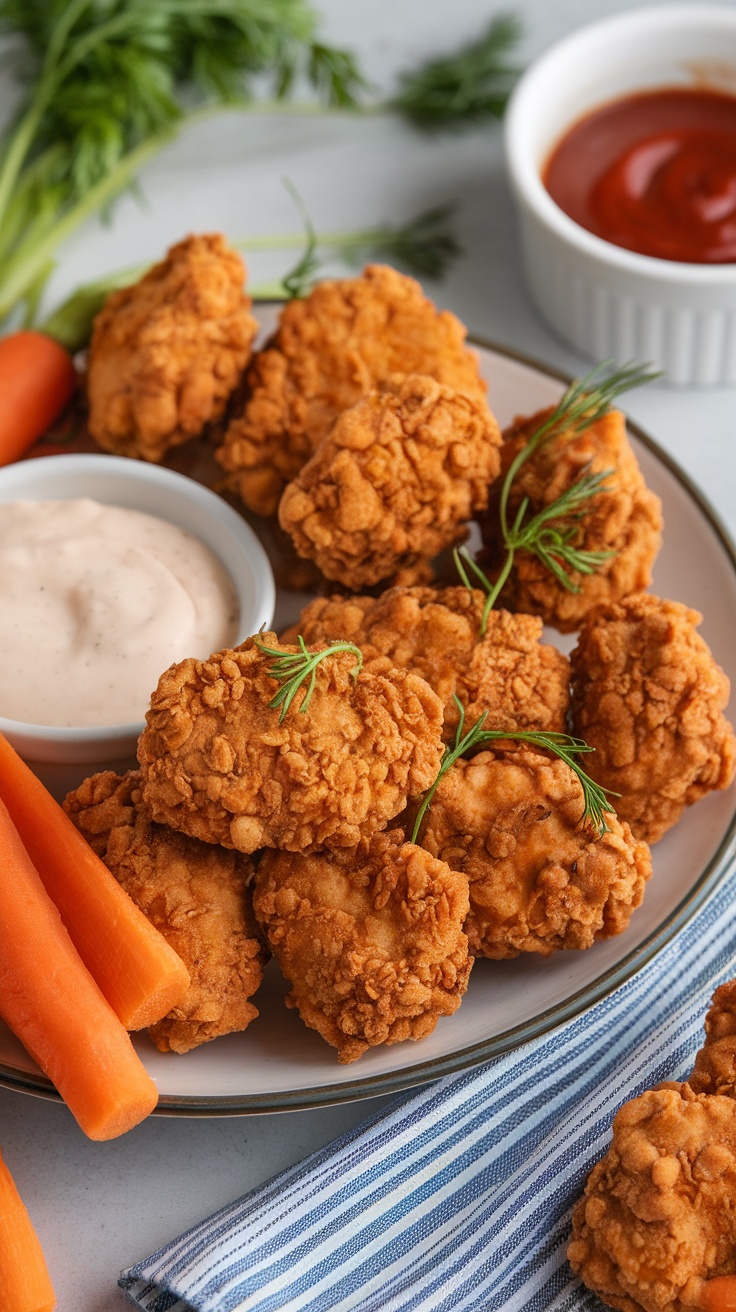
606	301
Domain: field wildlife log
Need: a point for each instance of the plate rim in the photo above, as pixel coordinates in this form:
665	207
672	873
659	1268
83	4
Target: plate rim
543	1023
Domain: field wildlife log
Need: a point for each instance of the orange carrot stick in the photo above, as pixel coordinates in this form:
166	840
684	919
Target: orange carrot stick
37	379
50	1001
139	973
24	1279
719	1294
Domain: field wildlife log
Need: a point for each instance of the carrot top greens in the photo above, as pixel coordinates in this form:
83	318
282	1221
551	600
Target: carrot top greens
108	83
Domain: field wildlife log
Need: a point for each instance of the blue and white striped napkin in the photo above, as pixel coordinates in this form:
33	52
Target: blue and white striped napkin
459	1198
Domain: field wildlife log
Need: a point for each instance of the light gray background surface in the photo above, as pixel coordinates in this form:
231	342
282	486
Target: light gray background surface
99	1207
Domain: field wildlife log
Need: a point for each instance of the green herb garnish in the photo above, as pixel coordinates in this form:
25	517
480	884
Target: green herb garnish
472	85
291	669
560	744
425	245
110	82
551	533
299	280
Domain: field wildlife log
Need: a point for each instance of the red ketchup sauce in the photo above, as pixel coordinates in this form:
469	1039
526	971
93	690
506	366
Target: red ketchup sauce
654	172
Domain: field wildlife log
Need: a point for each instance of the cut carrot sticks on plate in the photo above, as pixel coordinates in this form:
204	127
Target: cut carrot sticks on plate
24	1280
37	380
138	972
50	1001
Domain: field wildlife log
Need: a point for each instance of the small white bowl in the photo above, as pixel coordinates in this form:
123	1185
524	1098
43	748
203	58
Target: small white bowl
157	491
607	301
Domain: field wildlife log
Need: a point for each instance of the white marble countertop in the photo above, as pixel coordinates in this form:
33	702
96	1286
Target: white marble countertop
100	1207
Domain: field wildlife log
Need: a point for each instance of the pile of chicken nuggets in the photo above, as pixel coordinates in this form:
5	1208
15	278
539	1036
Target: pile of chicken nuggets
257	827
249	830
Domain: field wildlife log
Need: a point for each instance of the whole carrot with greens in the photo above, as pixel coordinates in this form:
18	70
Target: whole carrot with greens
25	1285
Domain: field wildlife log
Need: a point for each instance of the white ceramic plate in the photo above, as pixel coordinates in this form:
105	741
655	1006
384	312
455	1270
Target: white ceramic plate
279	1064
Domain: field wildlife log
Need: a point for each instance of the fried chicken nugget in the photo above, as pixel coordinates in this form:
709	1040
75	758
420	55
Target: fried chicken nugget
218	763
196	895
510	820
648	696
344	339
370	939
624	518
656	1227
657	1221
508	674
167	353
394	483
715	1065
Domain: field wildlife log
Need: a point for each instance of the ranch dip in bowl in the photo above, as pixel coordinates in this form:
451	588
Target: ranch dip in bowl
110	570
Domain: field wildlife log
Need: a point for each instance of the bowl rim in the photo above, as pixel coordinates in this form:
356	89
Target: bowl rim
152	475
524	171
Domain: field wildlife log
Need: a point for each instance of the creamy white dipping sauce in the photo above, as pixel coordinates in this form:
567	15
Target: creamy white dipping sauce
95	603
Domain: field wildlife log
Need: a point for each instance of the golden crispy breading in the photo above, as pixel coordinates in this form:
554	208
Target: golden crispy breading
347	337
370	939
218	764
167	352
648	696
625	518
196	895
657	1223
394	483
520	682
715	1064
509	819
657	1219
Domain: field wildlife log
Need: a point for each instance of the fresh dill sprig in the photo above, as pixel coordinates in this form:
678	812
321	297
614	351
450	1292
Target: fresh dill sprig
552	533
554	542
587	399
291	669
560	744
462	557
424	246
298	281
468	87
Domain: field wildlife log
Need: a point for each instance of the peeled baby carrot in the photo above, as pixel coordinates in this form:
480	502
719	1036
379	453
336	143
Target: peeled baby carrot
138	972
24	1279
50	1001
37	379
719	1294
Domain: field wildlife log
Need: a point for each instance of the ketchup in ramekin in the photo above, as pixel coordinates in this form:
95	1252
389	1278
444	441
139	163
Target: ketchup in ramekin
655	173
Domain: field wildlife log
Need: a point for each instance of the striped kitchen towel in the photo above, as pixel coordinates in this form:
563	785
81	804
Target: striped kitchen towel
458	1199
